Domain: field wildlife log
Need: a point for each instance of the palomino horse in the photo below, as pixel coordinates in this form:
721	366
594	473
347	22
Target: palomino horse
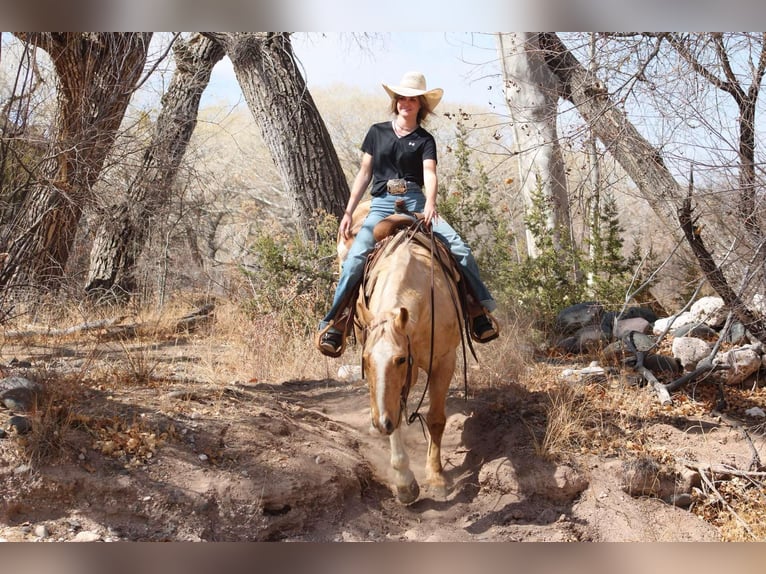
408	298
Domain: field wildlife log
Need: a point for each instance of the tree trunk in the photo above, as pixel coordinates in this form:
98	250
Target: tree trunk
531	91
290	123
641	161
644	165
97	73
123	229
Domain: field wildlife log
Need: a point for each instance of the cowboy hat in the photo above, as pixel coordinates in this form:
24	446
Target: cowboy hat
414	84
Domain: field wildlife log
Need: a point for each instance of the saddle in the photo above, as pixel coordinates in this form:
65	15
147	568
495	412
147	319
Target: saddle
383	232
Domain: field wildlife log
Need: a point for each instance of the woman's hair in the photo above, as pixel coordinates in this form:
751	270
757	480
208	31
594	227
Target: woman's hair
423	112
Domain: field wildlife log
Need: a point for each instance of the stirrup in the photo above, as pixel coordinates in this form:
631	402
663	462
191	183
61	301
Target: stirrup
325	349
492	333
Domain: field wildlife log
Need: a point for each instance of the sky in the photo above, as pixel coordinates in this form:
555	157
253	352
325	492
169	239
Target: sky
463	64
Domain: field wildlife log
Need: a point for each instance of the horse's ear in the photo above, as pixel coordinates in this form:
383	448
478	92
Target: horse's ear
402	318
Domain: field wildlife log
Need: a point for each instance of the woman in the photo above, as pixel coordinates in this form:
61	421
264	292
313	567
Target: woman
399	158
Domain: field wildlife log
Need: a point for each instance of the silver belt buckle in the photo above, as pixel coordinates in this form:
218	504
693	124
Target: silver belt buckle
396	186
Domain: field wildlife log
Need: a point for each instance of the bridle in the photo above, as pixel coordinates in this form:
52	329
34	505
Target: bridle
410	362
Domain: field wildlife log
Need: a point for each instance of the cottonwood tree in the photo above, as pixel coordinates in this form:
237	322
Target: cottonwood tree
532	93
645	164
294	132
124	226
96	74
717	59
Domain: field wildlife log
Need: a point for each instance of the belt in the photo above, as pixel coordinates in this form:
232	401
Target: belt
401	186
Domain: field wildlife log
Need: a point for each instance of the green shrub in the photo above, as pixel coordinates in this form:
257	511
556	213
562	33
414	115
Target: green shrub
293	278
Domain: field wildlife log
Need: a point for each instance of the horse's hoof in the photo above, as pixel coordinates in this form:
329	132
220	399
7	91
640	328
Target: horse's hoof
408	494
438	489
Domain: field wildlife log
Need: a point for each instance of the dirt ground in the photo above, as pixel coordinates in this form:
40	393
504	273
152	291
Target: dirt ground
180	457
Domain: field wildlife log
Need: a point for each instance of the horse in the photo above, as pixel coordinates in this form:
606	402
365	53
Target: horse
408	320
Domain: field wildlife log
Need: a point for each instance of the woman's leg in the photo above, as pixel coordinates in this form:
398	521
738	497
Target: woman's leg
467	262
353	266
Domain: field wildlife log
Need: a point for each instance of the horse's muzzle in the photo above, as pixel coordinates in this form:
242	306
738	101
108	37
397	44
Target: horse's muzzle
385	425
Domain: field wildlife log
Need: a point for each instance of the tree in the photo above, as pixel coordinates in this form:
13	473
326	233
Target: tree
96	75
693	48
532	91
122	232
643	162
292	127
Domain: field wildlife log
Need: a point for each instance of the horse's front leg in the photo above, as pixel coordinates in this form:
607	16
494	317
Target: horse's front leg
406	487
436	420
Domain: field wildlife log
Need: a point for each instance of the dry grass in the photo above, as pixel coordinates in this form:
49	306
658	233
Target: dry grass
565	418
607	419
51	419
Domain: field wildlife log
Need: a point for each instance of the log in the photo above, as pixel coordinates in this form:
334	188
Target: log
48	332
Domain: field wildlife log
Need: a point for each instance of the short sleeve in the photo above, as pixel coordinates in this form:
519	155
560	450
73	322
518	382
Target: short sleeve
429	149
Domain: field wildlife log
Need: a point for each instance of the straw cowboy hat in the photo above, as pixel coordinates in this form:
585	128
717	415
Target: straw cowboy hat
414	84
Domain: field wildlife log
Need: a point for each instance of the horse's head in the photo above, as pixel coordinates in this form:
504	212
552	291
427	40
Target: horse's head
387	363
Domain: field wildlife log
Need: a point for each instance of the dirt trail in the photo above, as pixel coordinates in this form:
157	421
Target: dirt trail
296	460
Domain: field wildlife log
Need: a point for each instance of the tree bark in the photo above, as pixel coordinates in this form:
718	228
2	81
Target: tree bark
531	92
123	229
292	128
97	73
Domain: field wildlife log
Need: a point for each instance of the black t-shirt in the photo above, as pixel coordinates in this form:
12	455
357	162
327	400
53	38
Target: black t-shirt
397	158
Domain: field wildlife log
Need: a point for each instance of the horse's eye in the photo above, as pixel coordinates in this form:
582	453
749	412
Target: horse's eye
401	360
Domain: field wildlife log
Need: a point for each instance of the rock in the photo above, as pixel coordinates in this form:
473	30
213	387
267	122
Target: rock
690	350
625	326
673	322
743	362
643	343
698	330
710	310
759	303
569	482
737	334
19	393
642	312
41	531
86	536
586	375
644	477
572	318
756	412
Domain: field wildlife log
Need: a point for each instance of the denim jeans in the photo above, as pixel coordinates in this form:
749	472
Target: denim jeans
380	208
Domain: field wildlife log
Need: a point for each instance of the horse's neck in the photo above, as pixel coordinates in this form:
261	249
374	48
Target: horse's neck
402	281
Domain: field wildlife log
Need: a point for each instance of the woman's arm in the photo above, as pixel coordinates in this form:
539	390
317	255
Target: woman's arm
431	184
361	181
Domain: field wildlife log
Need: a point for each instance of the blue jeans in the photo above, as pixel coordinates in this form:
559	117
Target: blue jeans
380	208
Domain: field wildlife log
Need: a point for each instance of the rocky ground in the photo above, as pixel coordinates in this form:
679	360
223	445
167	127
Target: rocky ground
120	453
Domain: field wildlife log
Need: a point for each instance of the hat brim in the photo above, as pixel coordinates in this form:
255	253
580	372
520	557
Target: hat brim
433	97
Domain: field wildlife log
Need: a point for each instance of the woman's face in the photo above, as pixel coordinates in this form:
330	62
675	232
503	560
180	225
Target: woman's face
408	106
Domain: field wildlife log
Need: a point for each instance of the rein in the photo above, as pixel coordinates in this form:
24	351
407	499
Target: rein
417	226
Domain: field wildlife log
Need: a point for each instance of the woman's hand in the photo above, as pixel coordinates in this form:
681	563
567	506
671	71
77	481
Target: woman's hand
345	226
429	213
